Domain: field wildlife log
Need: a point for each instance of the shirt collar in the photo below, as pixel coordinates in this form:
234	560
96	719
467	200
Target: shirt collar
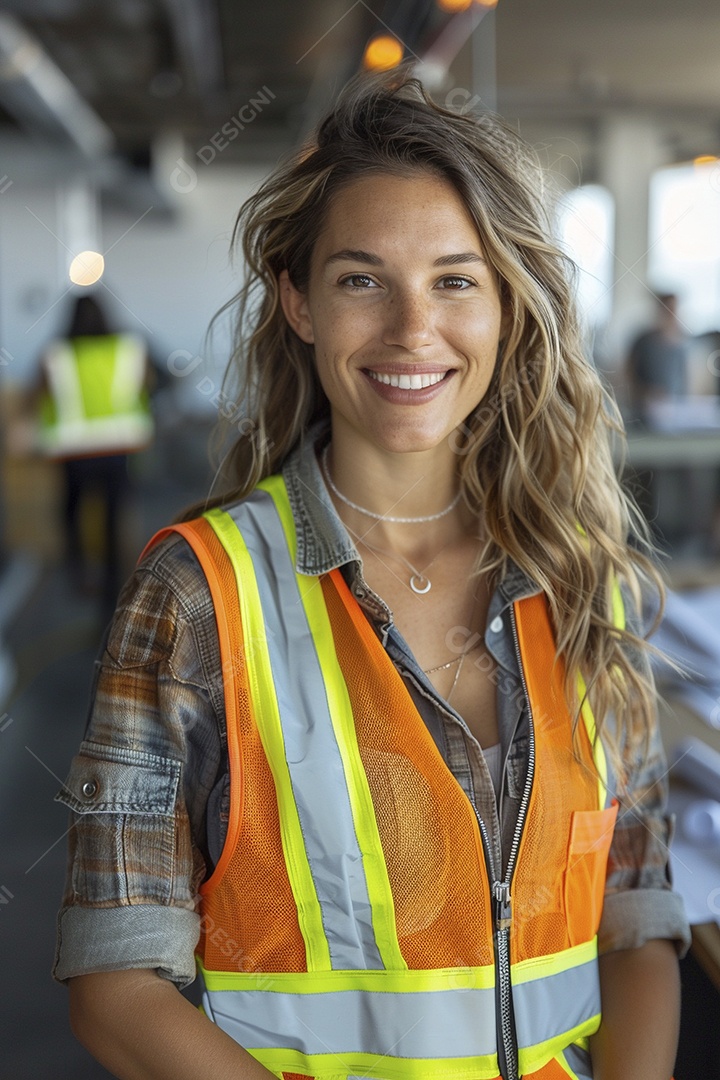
323	542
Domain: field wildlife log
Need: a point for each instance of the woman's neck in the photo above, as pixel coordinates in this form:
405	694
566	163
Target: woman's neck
406	502
390	485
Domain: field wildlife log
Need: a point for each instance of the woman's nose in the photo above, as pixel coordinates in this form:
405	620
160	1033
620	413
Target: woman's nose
408	322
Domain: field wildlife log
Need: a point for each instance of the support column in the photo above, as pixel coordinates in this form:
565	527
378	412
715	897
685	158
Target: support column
630	149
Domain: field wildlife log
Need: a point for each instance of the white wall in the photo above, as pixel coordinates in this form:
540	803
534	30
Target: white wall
166	273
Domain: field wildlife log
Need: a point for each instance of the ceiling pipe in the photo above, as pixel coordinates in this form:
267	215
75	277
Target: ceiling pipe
39	95
196	31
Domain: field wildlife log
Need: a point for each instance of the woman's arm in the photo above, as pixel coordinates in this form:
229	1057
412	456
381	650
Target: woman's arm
640	991
140	1027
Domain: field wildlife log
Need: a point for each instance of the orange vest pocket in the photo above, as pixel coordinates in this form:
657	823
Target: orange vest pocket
591	833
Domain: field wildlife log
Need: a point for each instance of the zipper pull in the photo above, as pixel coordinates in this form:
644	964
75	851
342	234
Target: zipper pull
503	913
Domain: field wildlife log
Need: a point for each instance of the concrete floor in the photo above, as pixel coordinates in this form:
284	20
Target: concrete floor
54	643
52	639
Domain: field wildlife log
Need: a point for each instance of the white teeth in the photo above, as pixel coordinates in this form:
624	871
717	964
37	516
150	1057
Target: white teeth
408	382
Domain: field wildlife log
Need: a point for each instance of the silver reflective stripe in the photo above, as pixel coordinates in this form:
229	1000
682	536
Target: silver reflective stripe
313	757
549	1006
579	1061
418	1024
64	382
128	373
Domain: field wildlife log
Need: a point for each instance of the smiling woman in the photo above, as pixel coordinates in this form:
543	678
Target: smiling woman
363	727
404	349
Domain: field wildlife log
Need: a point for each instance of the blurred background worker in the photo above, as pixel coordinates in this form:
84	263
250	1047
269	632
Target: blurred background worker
94	411
658	359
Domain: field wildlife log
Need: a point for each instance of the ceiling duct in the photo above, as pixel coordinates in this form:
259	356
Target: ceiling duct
40	96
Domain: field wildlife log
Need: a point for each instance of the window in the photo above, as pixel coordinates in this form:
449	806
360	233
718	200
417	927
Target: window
585	220
684	240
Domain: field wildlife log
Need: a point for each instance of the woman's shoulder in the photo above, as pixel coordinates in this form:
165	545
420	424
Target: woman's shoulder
165	601
170	559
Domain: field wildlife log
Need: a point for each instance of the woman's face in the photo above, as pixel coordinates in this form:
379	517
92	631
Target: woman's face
402	309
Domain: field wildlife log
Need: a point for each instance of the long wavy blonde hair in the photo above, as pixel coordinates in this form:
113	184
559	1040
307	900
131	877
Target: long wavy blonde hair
535	458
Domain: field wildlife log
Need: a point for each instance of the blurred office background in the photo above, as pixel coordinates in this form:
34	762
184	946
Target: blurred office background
130	133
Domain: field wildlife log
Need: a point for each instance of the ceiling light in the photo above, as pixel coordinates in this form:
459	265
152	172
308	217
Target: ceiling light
454	5
87	268
382	53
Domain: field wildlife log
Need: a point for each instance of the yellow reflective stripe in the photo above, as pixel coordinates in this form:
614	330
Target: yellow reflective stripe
532	1058
595	742
269	727
618	616
316	982
361	804
538	967
376	1066
618	605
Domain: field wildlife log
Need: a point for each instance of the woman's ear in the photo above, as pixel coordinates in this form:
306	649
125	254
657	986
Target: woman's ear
295	308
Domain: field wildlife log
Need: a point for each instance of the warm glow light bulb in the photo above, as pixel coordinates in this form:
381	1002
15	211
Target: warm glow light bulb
487	3
705	159
454	5
87	268
382	53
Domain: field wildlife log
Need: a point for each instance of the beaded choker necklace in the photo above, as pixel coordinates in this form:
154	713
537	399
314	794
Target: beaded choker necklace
383	517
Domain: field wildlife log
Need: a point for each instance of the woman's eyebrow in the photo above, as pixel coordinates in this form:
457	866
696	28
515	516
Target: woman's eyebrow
461	257
367	257
354	255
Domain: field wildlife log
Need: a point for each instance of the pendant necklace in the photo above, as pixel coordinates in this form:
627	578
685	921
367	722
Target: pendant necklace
420	583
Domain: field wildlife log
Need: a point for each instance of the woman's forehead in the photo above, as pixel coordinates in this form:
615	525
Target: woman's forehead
393	210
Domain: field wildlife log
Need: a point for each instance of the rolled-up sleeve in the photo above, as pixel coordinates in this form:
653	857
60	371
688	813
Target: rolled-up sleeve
640	903
139	786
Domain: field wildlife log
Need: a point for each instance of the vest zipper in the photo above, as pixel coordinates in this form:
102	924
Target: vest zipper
505	1027
500	895
507	1039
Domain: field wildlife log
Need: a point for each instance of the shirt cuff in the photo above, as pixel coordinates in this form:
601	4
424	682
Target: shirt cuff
119	938
635	916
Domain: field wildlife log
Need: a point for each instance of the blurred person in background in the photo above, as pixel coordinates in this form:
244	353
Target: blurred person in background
658	378
373	740
94	410
657	365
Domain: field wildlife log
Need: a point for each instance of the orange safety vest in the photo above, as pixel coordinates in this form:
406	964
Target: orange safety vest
355	924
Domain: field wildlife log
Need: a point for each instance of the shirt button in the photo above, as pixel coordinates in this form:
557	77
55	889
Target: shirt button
496	625
90	788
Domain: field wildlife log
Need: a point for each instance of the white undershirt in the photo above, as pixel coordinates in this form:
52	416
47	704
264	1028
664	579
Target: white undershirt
493	760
